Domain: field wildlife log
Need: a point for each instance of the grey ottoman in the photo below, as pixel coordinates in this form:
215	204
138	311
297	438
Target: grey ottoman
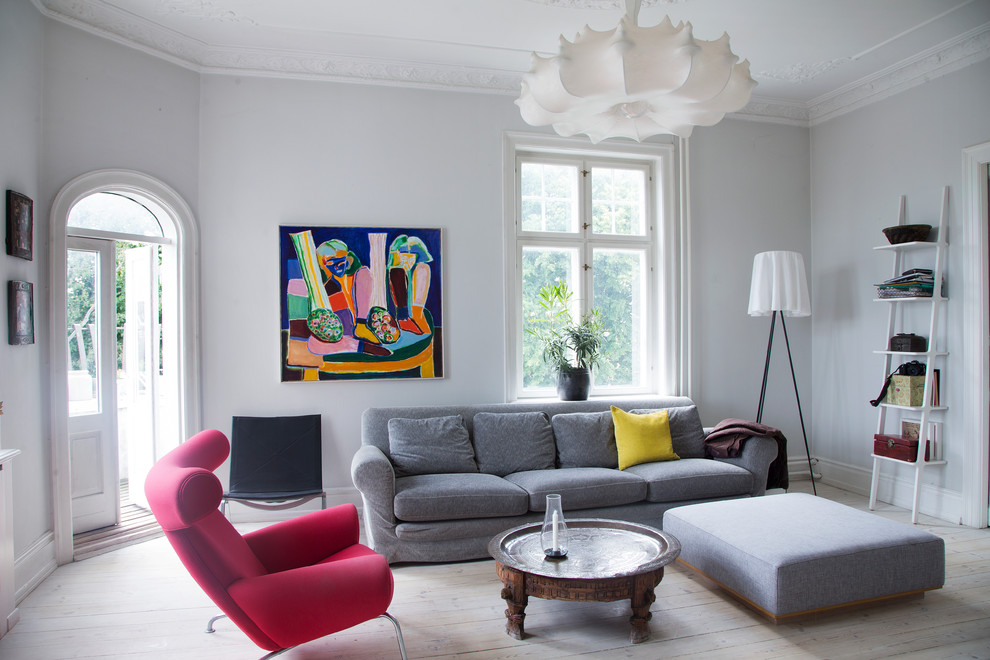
796	554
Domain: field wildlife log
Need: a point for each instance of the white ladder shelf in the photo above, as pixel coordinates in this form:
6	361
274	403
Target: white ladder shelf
922	413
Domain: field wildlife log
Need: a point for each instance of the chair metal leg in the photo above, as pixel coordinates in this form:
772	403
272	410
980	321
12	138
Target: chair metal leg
398	633
209	625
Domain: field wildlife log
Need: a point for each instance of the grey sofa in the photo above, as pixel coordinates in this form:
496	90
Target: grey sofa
438	482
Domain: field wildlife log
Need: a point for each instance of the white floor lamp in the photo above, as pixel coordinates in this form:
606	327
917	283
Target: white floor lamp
780	285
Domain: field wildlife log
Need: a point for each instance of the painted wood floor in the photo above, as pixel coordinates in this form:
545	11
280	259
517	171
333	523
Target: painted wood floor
138	602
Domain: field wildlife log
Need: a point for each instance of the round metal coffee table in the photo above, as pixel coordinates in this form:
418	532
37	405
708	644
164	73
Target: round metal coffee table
607	560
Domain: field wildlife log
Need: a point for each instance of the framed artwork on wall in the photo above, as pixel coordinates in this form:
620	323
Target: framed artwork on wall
360	303
20	225
20	313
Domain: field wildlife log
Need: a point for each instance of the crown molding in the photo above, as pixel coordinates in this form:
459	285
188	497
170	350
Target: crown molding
109	22
339	68
601	4
966	49
773	111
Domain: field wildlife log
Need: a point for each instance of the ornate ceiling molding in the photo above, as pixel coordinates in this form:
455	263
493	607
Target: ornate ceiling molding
122	27
773	111
799	73
202	9
968	48
602	4
359	70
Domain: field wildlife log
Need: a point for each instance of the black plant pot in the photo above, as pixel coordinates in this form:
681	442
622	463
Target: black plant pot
574	385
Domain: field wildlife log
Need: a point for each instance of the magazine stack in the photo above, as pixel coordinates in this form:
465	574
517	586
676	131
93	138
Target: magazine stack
914	283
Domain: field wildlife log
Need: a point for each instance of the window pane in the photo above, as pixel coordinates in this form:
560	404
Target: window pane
618	201
541	265
82	279
111	212
620	292
549	195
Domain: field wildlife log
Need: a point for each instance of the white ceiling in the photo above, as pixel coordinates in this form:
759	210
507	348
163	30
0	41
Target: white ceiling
812	59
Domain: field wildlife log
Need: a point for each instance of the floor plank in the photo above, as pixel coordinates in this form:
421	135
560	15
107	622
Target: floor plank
138	603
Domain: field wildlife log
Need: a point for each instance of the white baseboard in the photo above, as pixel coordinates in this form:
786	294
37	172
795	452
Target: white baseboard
36	564
12	619
896	489
241	513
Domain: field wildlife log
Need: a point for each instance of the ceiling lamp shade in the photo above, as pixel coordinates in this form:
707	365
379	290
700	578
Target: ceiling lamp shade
779	285
635	82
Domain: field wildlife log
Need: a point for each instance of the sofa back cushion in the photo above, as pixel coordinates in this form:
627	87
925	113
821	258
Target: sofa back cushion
686	431
434	445
585	440
513	442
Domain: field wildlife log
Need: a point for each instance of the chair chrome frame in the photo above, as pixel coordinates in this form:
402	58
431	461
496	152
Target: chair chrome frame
395	622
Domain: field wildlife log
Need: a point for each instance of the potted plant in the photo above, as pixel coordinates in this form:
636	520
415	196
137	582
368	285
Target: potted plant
572	347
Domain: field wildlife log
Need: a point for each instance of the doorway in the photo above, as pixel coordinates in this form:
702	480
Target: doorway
125	371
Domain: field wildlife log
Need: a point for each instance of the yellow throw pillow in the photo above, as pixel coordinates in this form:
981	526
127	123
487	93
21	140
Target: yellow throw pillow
642	438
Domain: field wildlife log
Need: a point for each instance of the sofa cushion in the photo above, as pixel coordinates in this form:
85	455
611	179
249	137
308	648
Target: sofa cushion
686	431
427	497
642	438
430	446
585	440
692	479
512	442
580	488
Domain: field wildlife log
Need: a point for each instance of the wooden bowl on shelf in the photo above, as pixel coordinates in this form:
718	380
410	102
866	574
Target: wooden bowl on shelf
906	233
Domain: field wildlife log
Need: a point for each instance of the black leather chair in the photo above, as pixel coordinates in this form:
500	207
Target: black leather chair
275	462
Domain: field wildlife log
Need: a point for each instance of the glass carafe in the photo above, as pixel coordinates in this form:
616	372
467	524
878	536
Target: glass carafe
554	532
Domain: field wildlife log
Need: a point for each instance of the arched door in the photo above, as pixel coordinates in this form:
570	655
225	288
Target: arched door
124	360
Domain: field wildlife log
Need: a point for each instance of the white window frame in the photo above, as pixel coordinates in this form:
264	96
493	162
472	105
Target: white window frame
665	342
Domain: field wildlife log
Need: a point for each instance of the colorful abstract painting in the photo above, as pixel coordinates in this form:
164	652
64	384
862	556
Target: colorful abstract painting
360	303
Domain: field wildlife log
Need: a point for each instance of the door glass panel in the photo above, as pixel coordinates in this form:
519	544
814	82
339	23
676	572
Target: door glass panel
542	265
136	425
620	292
549	197
618	201
83	313
113	212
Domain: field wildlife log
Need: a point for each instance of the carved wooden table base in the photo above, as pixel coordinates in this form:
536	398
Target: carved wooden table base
519	586
609	561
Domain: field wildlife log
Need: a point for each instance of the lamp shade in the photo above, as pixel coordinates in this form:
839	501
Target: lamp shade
779	285
635	82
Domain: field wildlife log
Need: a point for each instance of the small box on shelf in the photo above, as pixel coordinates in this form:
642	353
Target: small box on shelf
906	390
899	447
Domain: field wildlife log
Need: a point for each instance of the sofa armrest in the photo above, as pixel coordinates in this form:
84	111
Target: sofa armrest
756	456
373	475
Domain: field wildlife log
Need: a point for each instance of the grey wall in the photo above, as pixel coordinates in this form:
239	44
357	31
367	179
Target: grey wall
108	106
750	190
862	162
24	369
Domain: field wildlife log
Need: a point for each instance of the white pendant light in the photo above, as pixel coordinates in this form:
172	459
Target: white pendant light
635	82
